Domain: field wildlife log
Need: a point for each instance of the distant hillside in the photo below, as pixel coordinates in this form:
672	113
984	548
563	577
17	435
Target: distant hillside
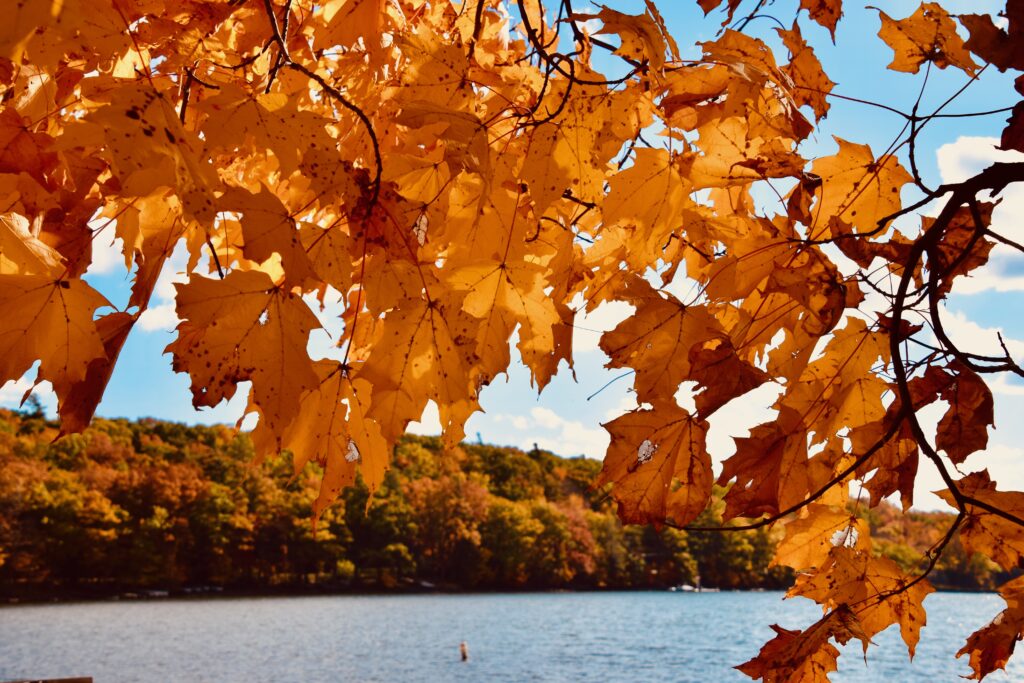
151	505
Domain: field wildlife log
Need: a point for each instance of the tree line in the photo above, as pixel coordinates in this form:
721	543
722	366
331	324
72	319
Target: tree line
153	505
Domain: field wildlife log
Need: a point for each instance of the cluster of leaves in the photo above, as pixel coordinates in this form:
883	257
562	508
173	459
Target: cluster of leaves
458	176
155	505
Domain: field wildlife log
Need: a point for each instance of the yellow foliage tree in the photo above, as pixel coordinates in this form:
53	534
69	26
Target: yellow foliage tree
460	172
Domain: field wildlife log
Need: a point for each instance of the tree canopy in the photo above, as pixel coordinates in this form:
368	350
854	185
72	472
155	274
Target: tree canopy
463	175
156	506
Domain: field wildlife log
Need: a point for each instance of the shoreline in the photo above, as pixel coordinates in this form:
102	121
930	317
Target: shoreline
218	593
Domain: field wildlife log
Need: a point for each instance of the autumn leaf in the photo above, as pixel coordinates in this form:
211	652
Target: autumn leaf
21	253
875	588
646	197
825	12
964	428
768	472
348	21
709	5
656	341
999	45
812	86
333	429
963	246
639	34
80	398
989	648
1013	134
806	655
811	536
857	189
268	228
927	35
49	320
425	353
984	531
244	328
459	179
141	135
658	466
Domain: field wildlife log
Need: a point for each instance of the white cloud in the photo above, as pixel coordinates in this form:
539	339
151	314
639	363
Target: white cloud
1001	386
107	252
13	391
544	428
162	317
161	314
588	327
517	421
545	417
970	336
966	156
572	439
323	342
626	403
429	423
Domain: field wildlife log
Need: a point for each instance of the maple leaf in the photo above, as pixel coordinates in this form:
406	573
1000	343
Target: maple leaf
236	118
709	5
19	27
21	253
875	588
811	536
722	374
244	328
267	229
79	398
640	35
658	465
424	353
796	656
825	12
985	532
147	146
49	320
894	464
927	35
963	246
565	153
332	427
657	339
856	188
348	21
812	86
964	428
999	45
1013	134
767	471
458	176
990	647
647	196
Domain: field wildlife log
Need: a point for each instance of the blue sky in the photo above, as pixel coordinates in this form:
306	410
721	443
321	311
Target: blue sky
563	419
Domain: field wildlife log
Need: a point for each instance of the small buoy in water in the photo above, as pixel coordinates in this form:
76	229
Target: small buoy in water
464	651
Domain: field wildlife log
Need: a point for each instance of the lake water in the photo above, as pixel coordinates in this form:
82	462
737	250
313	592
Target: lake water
512	637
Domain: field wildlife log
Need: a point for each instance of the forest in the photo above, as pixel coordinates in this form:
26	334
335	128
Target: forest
143	506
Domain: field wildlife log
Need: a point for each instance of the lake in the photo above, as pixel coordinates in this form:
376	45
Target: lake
645	636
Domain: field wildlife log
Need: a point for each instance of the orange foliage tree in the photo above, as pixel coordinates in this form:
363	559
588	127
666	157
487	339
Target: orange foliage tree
460	172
